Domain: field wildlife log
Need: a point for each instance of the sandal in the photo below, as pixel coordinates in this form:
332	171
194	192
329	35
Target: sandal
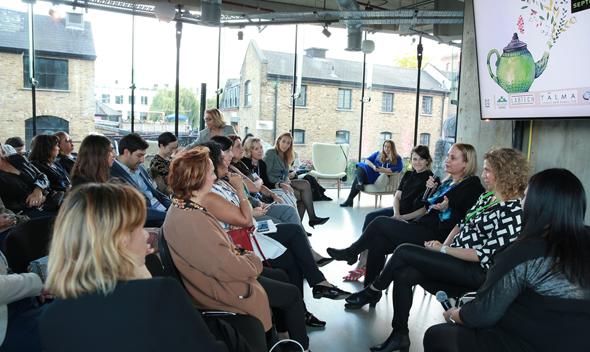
355	275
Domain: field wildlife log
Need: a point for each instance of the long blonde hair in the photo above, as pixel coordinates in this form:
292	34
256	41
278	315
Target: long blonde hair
392	156
88	251
289	155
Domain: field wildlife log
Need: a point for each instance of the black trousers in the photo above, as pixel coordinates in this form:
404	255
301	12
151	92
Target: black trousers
287	306
382	236
360	179
413	265
297	260
451	338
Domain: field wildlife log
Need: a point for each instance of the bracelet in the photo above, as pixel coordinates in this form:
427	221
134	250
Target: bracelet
241	200
443	249
451	318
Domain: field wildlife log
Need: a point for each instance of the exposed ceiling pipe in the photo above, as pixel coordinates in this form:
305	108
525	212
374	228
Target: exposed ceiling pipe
355	31
211	12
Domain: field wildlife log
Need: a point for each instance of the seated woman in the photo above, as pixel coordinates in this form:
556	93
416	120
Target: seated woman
23	187
95	158
160	164
216	274
449	204
465	256
225	203
19	323
66	157
215	126
407	203
43	157
387	161
97	267
536	296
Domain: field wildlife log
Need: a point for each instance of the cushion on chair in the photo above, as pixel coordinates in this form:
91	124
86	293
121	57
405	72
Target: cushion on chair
320	175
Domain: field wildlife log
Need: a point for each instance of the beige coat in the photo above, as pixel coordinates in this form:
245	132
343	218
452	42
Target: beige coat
215	277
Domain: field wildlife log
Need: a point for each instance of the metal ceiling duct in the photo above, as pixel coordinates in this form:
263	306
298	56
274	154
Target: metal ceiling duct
355	31
211	12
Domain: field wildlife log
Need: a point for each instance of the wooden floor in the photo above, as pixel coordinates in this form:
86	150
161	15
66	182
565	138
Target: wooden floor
357	330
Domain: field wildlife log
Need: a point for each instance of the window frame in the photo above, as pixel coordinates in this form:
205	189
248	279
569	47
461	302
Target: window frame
144	98
105	98
298	132
342	102
385	106
425	136
119	99
61	81
302	96
427	107
383	136
248	94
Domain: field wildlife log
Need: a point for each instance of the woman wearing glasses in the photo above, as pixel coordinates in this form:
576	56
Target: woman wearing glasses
215	126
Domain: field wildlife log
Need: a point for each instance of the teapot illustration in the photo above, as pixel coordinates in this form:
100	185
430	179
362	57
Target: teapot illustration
515	69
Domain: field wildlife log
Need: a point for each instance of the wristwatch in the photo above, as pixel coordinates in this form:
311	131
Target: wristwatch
443	249
451	318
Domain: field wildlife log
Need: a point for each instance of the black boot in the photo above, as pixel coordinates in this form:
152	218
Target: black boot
342	254
395	341
347	203
365	296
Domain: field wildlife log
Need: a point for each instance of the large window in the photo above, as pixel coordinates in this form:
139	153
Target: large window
106	99
302	100
387	102
427	105
344	98
298	136
248	94
51	73
144	100
342	137
143	116
425	139
118	99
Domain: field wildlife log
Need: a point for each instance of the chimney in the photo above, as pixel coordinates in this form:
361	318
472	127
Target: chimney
316	53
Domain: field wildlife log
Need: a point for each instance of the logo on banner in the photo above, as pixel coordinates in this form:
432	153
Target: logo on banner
559	98
522	99
502	103
586	96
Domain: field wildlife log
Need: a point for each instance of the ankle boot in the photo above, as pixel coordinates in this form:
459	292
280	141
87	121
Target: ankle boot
365	296
395	341
342	254
347	203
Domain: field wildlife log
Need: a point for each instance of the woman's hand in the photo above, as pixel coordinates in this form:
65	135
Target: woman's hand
443	206
292	175
448	313
397	217
287	182
235	180
276	198
6	221
36	198
287	188
433	245
430	183
258	212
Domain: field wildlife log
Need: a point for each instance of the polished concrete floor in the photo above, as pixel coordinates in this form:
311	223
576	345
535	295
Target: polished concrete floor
357	330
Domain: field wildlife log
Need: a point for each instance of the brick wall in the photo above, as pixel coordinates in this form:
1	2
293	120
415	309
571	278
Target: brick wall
75	105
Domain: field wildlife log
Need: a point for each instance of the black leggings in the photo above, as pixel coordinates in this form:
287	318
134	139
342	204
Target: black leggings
383	236
451	338
297	260
413	265
360	179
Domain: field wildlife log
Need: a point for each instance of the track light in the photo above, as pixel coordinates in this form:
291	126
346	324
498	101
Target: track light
326	32
54	14
240	35
164	11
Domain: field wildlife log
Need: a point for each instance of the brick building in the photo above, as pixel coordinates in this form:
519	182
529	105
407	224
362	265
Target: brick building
65	57
328	109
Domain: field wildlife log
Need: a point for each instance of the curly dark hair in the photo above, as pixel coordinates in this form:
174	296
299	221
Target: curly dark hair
215	153
511	171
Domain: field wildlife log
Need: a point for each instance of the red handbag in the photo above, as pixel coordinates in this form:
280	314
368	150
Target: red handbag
242	237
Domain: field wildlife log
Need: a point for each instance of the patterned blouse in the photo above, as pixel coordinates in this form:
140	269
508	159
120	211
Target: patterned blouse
226	191
159	170
489	229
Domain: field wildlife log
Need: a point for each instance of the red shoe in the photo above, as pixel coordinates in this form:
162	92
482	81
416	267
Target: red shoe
355	275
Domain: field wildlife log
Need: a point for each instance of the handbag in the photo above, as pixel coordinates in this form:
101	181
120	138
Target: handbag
245	237
39	267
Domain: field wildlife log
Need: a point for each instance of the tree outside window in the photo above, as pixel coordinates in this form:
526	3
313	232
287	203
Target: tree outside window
387	102
427	105
344	98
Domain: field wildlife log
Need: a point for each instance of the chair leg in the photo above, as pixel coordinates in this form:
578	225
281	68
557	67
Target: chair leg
339	185
376	202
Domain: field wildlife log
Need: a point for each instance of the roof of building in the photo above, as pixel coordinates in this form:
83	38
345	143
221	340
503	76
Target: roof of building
101	109
343	72
52	37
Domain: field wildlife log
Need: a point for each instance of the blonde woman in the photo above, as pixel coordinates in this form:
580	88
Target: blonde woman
97	261
386	161
278	168
215	126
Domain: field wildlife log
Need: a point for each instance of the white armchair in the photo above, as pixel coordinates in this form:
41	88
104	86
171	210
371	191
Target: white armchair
383	186
329	161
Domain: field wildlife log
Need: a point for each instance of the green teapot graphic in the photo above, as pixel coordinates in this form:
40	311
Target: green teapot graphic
515	69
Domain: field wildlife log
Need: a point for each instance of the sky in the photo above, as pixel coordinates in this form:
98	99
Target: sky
155	48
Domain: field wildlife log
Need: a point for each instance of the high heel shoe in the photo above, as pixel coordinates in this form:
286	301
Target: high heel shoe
365	296
395	341
342	254
318	221
355	275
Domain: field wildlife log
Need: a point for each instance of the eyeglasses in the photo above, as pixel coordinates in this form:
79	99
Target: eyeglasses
208	119
69	140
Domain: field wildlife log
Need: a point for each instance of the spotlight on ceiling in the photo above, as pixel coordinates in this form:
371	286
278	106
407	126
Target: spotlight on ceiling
240	35
165	11
54	14
326	32
368	46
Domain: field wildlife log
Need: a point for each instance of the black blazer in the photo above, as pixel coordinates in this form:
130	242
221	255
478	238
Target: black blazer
140	315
